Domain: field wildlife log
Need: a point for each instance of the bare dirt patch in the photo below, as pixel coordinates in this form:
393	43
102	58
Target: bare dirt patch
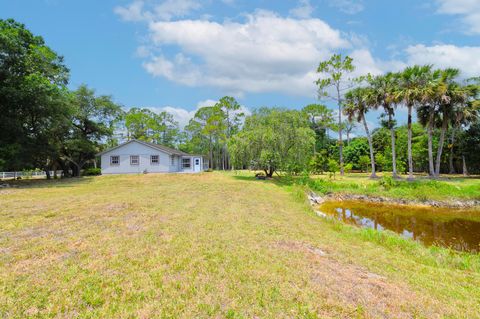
367	293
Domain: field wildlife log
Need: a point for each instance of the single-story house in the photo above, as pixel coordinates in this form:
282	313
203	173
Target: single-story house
137	156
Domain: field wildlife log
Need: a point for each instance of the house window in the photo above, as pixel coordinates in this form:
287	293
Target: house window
185	163
197	161
115	160
134	160
173	160
154	159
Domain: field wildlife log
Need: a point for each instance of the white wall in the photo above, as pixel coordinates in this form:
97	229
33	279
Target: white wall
192	164
144	152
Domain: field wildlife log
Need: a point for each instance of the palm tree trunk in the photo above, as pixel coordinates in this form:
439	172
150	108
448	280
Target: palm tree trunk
372	157
409	143
440	145
465	171
394	154
340	141
450	158
430	143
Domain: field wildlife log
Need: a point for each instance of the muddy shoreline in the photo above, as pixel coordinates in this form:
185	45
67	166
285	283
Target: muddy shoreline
316	199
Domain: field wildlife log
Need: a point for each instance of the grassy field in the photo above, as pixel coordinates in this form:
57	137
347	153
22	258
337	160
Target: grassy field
447	188
211	245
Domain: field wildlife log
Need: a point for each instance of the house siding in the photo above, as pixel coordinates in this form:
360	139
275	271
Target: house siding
144	152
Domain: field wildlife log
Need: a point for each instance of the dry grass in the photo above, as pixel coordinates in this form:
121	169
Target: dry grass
208	246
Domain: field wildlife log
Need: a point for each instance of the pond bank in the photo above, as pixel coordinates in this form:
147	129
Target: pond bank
316	199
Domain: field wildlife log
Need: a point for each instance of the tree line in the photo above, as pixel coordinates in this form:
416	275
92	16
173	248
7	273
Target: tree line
446	107
46	125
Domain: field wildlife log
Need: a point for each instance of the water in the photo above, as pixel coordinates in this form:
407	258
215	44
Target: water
457	229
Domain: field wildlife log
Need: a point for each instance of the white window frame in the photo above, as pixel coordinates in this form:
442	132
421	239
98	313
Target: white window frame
117	160
172	160
132	158
152	161
185	165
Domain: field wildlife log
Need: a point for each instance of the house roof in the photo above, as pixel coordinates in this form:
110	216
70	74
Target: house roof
165	149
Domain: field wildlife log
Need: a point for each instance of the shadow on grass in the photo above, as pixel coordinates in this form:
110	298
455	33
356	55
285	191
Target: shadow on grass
48	183
277	180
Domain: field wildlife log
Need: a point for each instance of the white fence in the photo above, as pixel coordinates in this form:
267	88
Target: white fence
34	174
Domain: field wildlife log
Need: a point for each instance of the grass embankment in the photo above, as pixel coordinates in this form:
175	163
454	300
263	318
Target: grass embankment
211	245
422	189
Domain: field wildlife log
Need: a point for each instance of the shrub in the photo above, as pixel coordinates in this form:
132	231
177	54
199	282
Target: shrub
332	167
387	182
348	168
92	171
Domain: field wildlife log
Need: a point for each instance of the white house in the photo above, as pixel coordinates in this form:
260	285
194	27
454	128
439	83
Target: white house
137	156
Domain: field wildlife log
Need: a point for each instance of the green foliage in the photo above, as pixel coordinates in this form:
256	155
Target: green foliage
146	125
32	98
357	148
380	161
28	173
318	163
387	182
364	162
92	171
349	167
211	129
273	139
332	167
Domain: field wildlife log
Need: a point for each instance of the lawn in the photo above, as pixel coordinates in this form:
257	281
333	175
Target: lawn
448	188
211	245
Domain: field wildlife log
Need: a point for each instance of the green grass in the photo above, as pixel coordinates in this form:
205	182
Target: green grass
211	245
422	189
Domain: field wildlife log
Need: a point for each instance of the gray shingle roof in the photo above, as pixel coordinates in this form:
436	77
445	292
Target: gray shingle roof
162	148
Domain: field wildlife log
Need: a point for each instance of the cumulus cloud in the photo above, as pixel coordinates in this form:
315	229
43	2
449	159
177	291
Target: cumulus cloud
264	53
464	58
468	10
141	10
304	9
183	115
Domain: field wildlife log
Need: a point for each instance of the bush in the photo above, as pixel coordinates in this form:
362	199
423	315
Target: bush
92	171
208	170
387	182
348	168
28	173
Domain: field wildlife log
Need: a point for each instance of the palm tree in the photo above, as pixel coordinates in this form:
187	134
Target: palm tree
463	115
427	110
411	91
355	106
349	126
453	94
383	95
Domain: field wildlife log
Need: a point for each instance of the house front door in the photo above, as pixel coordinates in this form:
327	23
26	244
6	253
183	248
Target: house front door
196	164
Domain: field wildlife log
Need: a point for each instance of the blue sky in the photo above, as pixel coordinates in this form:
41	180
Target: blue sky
179	54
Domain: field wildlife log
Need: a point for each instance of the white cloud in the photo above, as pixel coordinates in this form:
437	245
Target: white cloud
176	8
207	102
132	12
469	10
464	58
347	6
183	116
141	10
264	53
304	10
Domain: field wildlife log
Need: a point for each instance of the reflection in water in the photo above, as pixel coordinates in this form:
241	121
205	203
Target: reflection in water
457	229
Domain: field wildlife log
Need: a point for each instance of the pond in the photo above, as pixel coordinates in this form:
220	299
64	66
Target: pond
453	228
